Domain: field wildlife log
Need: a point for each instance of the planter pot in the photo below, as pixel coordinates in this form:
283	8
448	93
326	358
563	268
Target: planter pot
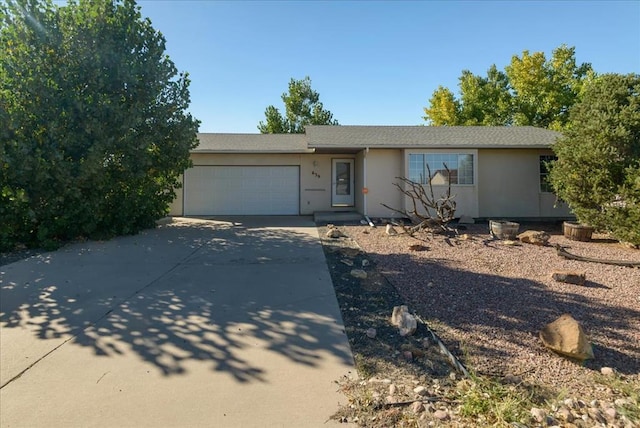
503	229
576	231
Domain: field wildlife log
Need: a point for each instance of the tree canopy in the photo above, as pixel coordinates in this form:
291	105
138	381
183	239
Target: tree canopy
598	168
531	91
302	107
94	132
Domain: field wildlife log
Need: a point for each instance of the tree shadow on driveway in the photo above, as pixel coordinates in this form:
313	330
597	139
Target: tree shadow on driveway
224	294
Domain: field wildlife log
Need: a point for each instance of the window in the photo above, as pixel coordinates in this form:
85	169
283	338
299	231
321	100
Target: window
460	168
545	186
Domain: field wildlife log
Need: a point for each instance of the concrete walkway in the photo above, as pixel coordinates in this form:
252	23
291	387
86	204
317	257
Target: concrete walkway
196	323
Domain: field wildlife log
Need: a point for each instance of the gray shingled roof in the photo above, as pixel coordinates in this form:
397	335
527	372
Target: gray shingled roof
252	143
327	136
356	137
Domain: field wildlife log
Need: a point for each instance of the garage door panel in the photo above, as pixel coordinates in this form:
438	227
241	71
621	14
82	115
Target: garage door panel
242	190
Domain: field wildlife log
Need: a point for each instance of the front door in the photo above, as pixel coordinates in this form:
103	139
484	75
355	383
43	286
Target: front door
342	194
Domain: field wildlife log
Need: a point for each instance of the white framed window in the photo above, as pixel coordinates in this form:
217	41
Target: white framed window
460	167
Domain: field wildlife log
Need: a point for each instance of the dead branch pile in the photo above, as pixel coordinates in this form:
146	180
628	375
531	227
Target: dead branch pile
426	211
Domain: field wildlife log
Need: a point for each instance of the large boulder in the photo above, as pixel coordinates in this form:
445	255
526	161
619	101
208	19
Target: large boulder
535	237
359	273
406	323
565	336
334	233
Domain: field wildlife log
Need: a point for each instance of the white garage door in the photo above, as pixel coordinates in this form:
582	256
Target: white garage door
241	190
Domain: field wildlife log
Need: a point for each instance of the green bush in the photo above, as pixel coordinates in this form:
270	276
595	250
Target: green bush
598	168
95	132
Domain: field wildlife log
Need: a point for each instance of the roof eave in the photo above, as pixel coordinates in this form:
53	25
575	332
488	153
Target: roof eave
251	152
440	146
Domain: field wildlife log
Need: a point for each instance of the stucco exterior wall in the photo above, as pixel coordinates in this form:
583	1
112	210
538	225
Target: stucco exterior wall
506	182
175	207
315	183
509	185
359	184
383	166
315	175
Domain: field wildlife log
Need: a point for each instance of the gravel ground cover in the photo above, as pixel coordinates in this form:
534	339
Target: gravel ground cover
488	301
492	299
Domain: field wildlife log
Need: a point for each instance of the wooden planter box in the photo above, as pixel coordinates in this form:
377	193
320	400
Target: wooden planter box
576	231
503	229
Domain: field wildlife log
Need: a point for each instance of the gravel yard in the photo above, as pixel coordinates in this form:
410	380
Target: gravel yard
488	300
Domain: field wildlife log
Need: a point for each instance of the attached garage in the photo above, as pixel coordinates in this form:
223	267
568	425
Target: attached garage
242	190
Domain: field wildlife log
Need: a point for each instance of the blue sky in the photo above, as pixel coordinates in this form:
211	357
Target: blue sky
373	62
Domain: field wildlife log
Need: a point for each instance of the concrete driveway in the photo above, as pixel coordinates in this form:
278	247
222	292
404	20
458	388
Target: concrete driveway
196	323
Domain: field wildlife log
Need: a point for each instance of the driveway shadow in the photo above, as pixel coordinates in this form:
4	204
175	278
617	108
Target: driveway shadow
208	291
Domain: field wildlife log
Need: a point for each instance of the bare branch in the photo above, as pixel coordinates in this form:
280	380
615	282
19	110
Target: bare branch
426	211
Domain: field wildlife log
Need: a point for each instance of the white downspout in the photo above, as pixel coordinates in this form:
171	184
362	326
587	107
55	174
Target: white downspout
364	185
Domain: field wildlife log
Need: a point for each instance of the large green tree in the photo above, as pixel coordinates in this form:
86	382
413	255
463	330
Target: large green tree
94	128
598	168
444	109
302	107
531	91
544	90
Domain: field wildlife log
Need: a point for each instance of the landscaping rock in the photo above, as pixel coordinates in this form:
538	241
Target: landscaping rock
565	336
569	277
416	352
611	413
347	262
417	407
538	414
390	230
334	233
358	273
371	333
534	237
420	390
441	415
402	319
564	413
607	371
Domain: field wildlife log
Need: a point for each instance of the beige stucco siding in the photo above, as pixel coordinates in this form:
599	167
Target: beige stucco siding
509	185
383	166
359	181
315	175
175	207
506	181
315	182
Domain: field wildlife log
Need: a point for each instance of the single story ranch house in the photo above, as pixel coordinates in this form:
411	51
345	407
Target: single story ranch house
496	172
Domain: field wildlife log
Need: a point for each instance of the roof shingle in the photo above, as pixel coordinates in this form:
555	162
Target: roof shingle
252	143
360	137
327	136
